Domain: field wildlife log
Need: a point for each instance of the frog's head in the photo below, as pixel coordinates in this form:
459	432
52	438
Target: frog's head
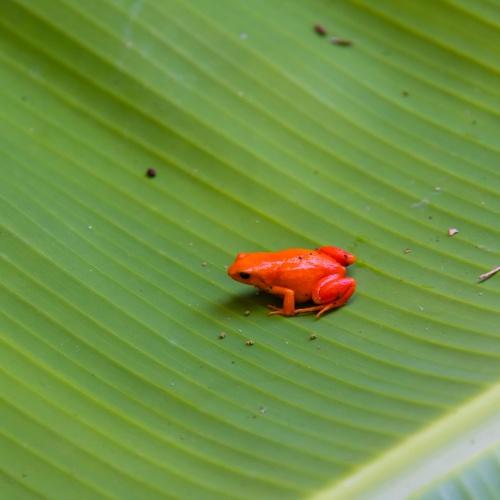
247	268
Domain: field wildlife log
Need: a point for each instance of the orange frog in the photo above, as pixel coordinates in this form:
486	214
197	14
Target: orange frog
298	275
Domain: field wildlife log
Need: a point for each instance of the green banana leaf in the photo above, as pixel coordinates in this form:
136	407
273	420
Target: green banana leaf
264	134
478	479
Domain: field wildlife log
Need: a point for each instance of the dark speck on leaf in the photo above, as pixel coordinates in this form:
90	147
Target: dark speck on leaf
151	172
320	30
341	42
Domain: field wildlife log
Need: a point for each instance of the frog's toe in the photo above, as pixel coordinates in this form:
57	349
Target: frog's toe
276	313
275	310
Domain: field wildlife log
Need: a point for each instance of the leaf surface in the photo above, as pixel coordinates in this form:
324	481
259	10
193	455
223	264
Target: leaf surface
264	135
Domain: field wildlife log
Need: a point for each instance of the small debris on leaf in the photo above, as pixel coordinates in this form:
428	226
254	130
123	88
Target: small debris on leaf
320	30
249	343
247	312
313	336
262	409
489	274
420	204
407	250
341	42
151	172
222	335
452	231
204	263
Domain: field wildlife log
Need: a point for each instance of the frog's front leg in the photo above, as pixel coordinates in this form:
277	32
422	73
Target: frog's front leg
288	308
288	295
332	291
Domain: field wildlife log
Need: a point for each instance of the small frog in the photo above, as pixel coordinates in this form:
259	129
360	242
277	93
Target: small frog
298	275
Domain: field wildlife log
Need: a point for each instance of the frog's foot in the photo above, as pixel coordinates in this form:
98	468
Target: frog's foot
281	312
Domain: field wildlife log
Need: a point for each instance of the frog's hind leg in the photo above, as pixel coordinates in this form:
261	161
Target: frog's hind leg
332	292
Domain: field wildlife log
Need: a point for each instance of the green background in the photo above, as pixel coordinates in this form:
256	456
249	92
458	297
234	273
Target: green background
113	288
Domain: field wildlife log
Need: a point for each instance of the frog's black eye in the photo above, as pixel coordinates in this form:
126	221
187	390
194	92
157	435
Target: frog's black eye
245	276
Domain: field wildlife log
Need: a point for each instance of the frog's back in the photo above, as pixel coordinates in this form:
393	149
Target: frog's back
299	269
302	259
